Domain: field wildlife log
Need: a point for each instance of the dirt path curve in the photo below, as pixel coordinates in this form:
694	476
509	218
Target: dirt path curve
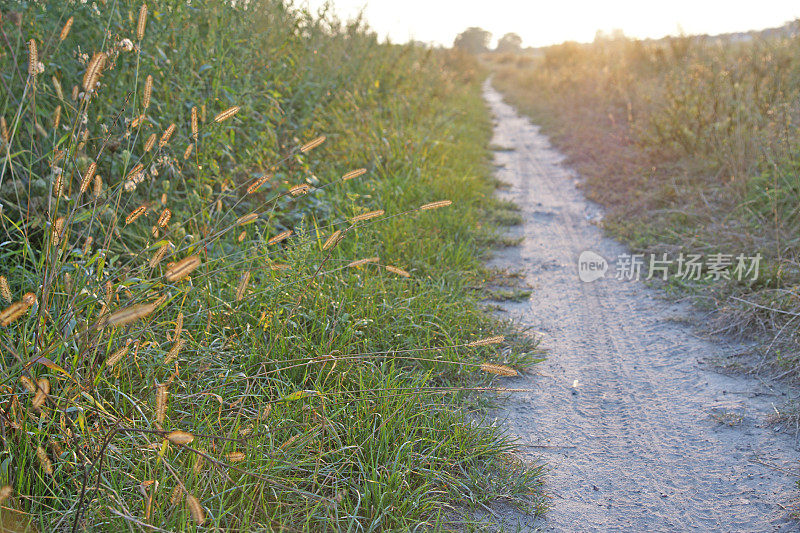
626	414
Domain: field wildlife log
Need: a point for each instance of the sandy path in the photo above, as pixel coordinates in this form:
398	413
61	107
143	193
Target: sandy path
635	445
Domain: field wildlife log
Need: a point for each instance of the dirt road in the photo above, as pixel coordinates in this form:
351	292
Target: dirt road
639	433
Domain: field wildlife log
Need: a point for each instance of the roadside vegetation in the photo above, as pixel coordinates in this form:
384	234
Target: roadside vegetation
239	262
693	145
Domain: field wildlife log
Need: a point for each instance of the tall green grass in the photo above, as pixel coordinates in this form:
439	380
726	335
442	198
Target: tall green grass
693	145
280	382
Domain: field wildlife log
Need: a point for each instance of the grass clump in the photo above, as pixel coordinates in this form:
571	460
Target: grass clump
238	269
692	143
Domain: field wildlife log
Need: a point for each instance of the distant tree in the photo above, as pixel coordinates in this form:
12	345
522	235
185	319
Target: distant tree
473	40
510	42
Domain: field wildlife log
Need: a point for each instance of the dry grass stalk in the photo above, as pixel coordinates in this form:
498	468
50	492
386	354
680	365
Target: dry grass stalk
435	205
195	509
246	219
228	113
398	271
500	370
242	287
280	237
366	216
182	268
88	177
33	58
141	22
65	30
136	213
361	262
354	174
487	341
333	240
258	183
130	314
312	144
167	135
148	92
5	290
93	71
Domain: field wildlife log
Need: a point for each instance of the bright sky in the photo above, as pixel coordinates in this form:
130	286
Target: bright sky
542	22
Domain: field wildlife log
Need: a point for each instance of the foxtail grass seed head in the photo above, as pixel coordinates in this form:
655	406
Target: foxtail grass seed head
57	88
236	457
29	385
435	205
136	122
242	236
193	123
135	173
97	190
5	493
109	292
242	287
180	437
159	255
361	262
148	91
182	268
163	219
130	314
41	393
500	370
178	325
228	113
151	141
29	299
141	22
354	174
5	290
4	130
65	30
58	185
58	229
188	153
93	71
312	144
195	510
258	183
44	461
161	403
498	339
136	213
33	58
174	351
333	240
56	117
366	216
88	176
280	237
75	91
297	190
117	356
167	135
246	219
176	496
398	271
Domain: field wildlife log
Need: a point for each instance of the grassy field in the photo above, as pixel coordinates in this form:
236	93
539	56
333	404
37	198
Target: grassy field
694	147
238	295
